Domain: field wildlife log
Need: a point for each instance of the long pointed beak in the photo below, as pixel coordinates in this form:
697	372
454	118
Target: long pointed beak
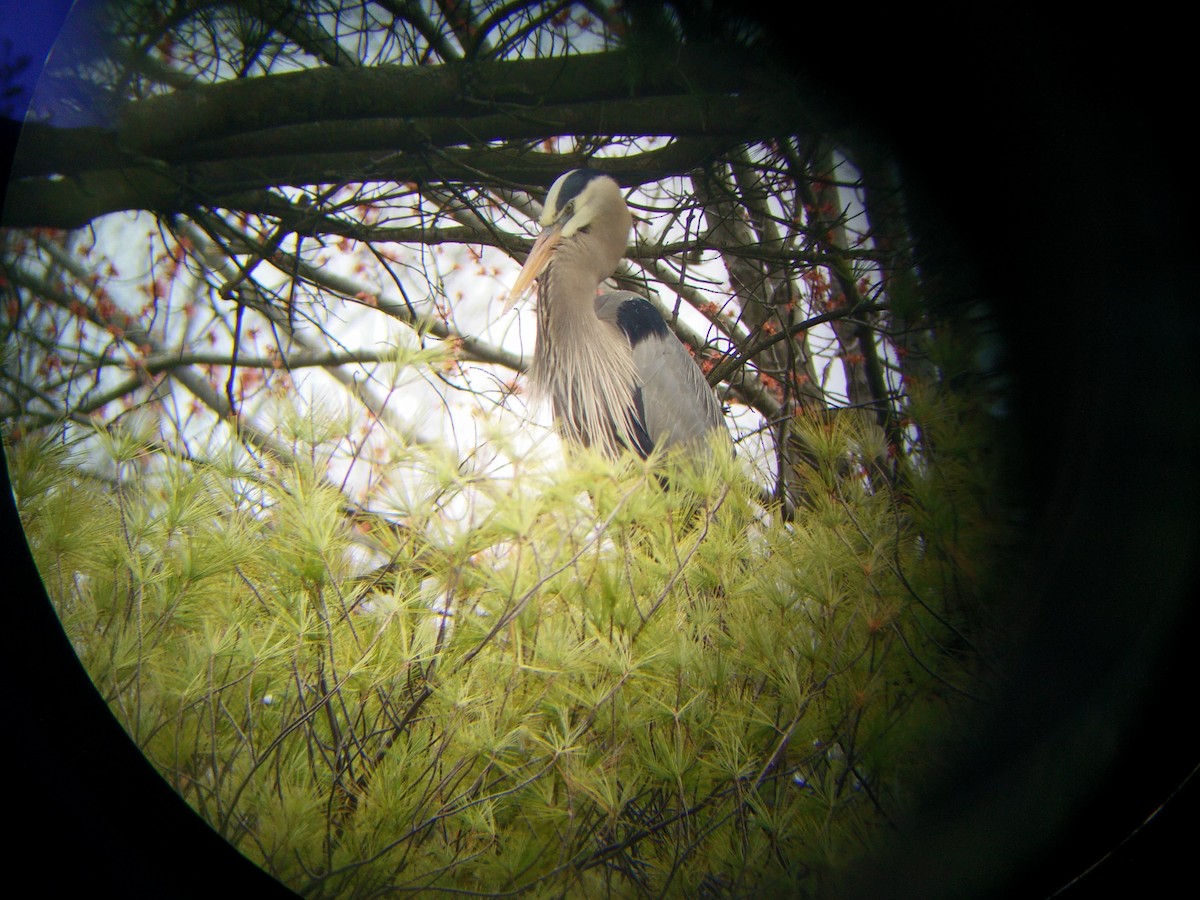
535	264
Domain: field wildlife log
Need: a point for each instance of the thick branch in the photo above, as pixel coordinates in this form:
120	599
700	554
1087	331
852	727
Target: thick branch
73	202
335	125
163	125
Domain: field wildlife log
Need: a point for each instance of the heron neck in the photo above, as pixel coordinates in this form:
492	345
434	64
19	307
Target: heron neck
567	288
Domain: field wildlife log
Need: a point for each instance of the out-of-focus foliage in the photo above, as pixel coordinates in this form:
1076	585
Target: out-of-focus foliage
608	689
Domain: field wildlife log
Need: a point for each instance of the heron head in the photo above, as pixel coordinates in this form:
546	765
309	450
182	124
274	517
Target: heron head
582	205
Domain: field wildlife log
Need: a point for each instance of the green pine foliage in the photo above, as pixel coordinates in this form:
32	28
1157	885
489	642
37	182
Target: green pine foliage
600	688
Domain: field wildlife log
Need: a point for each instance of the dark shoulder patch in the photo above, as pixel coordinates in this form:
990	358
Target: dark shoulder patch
640	320
641	438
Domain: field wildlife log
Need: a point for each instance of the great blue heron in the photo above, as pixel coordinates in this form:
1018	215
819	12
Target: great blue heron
615	374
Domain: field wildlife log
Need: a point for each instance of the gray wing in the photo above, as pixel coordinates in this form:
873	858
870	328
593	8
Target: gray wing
677	405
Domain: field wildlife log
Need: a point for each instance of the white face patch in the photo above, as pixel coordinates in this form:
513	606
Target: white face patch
577	196
550	208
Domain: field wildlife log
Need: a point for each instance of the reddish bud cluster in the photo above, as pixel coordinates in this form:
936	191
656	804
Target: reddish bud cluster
816	278
248	379
771	385
105	307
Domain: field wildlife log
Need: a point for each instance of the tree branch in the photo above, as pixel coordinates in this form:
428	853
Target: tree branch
333	125
57	202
